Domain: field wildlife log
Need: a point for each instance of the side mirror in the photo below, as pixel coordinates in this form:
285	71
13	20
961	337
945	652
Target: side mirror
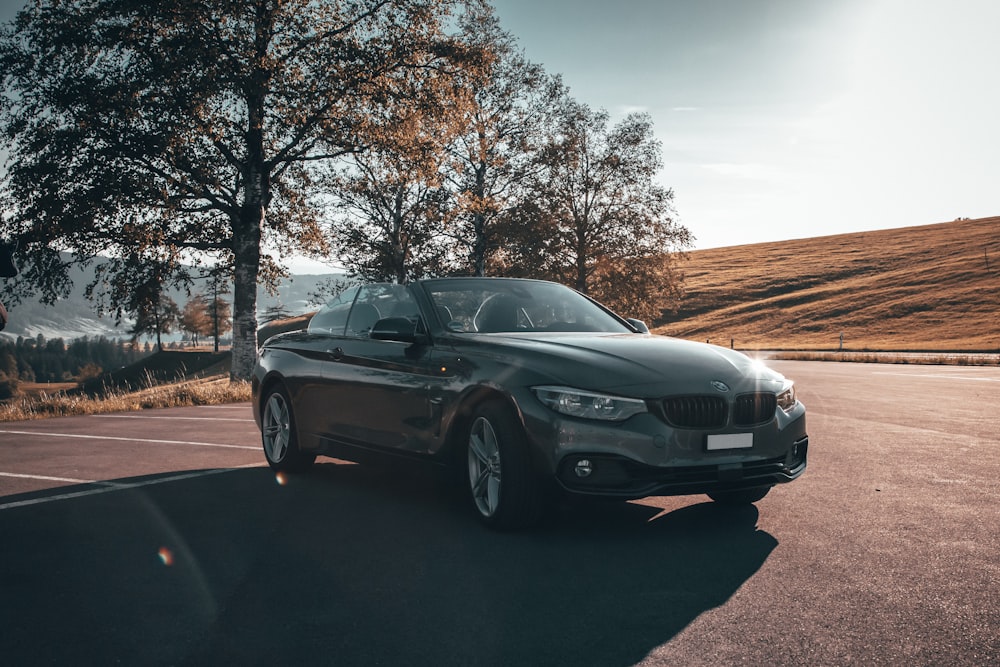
399	329
638	325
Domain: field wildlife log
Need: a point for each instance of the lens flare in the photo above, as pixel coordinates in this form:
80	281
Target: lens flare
281	479
166	556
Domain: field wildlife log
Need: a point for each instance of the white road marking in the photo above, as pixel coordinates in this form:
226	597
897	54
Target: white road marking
112	437
107	487
942	377
46	478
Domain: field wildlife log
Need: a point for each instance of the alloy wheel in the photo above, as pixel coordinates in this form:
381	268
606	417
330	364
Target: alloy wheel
276	429
484	467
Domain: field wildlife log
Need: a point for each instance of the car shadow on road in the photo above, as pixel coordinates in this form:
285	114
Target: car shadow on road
355	565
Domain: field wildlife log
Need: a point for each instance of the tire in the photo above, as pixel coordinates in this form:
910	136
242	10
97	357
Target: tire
502	485
278	436
739	498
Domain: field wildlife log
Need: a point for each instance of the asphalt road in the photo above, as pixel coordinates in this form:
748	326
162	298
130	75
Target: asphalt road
160	538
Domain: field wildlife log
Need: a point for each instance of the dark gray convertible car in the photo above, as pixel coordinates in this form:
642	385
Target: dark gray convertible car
527	387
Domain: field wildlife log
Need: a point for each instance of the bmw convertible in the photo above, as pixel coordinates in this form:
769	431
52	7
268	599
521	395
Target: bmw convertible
526	388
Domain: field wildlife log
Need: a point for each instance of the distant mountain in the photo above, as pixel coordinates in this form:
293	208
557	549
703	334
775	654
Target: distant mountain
75	316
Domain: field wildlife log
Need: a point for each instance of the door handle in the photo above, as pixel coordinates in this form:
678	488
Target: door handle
337	354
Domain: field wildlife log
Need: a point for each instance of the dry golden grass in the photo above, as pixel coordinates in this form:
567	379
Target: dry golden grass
934	287
50	388
873	357
206	391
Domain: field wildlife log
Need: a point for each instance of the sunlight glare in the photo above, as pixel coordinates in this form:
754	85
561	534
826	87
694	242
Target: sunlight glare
166	556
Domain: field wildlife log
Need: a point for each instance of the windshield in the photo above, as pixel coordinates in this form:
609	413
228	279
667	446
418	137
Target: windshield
493	305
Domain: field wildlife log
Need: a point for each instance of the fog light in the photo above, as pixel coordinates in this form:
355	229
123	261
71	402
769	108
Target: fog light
583	468
800	449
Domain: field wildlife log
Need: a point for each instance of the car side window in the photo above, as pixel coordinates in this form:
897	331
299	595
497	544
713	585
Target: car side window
332	317
379	301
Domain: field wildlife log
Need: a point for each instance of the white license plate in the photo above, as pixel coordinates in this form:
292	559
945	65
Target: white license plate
730	441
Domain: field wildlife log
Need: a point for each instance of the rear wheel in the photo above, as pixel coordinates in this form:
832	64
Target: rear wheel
504	489
738	498
277	432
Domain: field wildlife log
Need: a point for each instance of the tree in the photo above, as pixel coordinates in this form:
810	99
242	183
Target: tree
279	311
195	319
598	220
197	127
329	288
156	314
390	200
513	102
9	377
205	316
8	363
9	386
222	319
391	211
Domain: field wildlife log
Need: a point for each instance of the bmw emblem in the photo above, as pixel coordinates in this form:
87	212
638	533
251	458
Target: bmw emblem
720	386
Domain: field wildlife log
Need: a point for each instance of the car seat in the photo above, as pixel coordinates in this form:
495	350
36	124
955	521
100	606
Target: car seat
363	318
498	313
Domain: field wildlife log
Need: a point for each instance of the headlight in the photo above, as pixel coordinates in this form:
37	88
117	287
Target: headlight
587	405
786	398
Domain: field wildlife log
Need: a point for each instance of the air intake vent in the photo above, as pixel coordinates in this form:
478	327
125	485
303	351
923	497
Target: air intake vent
696	411
754	409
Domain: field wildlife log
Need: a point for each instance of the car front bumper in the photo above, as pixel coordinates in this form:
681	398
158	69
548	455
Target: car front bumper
644	456
620	476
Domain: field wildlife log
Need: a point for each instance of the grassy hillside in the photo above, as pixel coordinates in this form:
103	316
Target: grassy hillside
934	287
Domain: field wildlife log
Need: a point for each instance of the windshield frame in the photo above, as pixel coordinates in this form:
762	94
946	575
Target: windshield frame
536	302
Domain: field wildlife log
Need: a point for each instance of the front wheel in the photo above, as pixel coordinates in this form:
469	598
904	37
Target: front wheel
277	432
502	483
739	498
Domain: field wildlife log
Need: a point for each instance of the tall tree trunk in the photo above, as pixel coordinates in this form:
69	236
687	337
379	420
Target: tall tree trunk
396	249
481	243
215	314
246	256
247	229
157	321
581	259
246	243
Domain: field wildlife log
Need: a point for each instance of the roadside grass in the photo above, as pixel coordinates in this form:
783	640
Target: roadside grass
919	358
203	391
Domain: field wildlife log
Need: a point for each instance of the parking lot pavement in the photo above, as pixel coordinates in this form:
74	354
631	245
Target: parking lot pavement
96	450
161	537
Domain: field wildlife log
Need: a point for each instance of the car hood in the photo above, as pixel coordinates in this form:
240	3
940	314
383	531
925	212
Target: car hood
634	364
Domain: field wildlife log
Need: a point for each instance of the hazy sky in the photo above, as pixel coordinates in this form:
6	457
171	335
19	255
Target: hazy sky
787	119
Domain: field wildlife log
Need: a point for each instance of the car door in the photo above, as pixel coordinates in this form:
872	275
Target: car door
312	393
379	389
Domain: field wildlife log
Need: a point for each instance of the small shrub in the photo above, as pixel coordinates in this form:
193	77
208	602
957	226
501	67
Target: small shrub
89	371
9	387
